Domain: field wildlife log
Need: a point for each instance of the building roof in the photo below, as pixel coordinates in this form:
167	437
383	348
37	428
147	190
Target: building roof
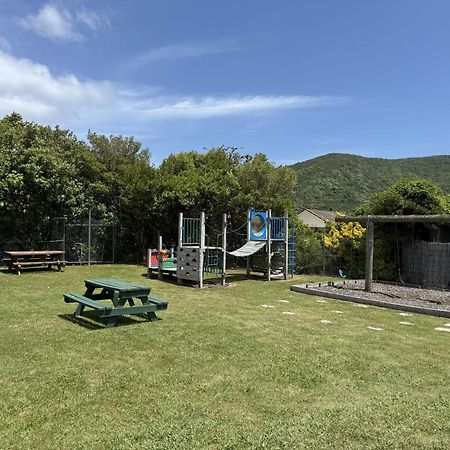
323	214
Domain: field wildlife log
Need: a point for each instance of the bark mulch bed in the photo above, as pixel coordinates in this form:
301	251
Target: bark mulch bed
428	301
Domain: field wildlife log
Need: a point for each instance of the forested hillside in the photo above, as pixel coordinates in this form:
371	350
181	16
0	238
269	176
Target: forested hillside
343	182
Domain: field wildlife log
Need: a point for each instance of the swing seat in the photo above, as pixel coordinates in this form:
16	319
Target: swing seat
343	273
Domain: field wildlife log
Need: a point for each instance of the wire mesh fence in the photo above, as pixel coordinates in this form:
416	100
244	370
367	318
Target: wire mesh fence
84	241
89	242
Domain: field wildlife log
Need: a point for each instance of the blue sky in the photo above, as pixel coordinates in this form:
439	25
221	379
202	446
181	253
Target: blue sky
294	79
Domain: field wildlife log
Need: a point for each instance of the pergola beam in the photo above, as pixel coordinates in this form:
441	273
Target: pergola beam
435	218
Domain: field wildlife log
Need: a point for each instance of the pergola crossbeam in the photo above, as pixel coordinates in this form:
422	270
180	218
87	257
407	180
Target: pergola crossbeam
435	218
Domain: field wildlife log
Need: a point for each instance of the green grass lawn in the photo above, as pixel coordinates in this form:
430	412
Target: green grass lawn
219	371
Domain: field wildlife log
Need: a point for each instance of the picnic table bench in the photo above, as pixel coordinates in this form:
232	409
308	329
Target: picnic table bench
18	259
119	293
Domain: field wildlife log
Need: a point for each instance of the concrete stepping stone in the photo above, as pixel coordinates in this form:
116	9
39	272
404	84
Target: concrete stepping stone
321	301
406	323
325	321
375	328
361	305
338	312
289	313
443	329
268	306
404	314
283	301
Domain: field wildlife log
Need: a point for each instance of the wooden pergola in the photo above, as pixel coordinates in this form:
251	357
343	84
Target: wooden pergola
368	222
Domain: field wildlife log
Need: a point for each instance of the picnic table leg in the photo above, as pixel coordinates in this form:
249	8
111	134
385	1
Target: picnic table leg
118	303
111	322
151	315
80	307
79	310
89	291
116	299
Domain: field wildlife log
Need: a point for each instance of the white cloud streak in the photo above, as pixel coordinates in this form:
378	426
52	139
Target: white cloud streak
4	44
32	90
199	108
60	24
184	51
52	23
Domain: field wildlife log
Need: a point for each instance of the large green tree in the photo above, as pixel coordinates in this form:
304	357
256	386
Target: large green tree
44	175
47	174
221	181
407	197
129	197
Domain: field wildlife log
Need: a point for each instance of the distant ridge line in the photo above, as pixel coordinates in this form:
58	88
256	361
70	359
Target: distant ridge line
343	181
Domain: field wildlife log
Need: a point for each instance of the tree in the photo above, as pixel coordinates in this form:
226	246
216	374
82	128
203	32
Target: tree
408	197
404	197
308	249
129	197
221	181
43	177
346	241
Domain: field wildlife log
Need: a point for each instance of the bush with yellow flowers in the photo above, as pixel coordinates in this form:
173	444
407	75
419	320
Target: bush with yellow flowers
346	241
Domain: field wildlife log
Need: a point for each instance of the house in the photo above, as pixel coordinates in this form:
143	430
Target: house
317	218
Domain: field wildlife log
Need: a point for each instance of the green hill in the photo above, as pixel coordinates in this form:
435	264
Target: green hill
342	182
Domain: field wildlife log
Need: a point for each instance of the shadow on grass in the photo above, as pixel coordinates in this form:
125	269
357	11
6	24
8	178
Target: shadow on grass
6	271
91	321
208	281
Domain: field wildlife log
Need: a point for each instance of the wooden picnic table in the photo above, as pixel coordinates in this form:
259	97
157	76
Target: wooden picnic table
17	260
119	293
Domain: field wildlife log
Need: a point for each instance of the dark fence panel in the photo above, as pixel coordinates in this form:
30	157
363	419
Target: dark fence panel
84	241
426	264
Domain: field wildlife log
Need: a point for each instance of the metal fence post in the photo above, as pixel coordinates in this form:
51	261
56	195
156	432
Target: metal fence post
89	237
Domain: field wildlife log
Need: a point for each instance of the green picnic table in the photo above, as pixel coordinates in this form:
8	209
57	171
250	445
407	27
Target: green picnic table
119	293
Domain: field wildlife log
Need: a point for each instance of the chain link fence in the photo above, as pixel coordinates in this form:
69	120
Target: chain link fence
84	241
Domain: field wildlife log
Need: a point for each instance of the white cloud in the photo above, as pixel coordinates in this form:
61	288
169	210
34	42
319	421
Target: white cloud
53	23
32	90
4	44
235	105
26	86
92	20
60	24
184	51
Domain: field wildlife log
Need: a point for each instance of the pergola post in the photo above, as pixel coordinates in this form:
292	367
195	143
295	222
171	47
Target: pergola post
369	255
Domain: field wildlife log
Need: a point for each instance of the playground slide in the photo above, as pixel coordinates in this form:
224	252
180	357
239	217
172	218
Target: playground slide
248	249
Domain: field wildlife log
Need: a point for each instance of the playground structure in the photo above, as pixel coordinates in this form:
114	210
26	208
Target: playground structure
269	249
161	260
